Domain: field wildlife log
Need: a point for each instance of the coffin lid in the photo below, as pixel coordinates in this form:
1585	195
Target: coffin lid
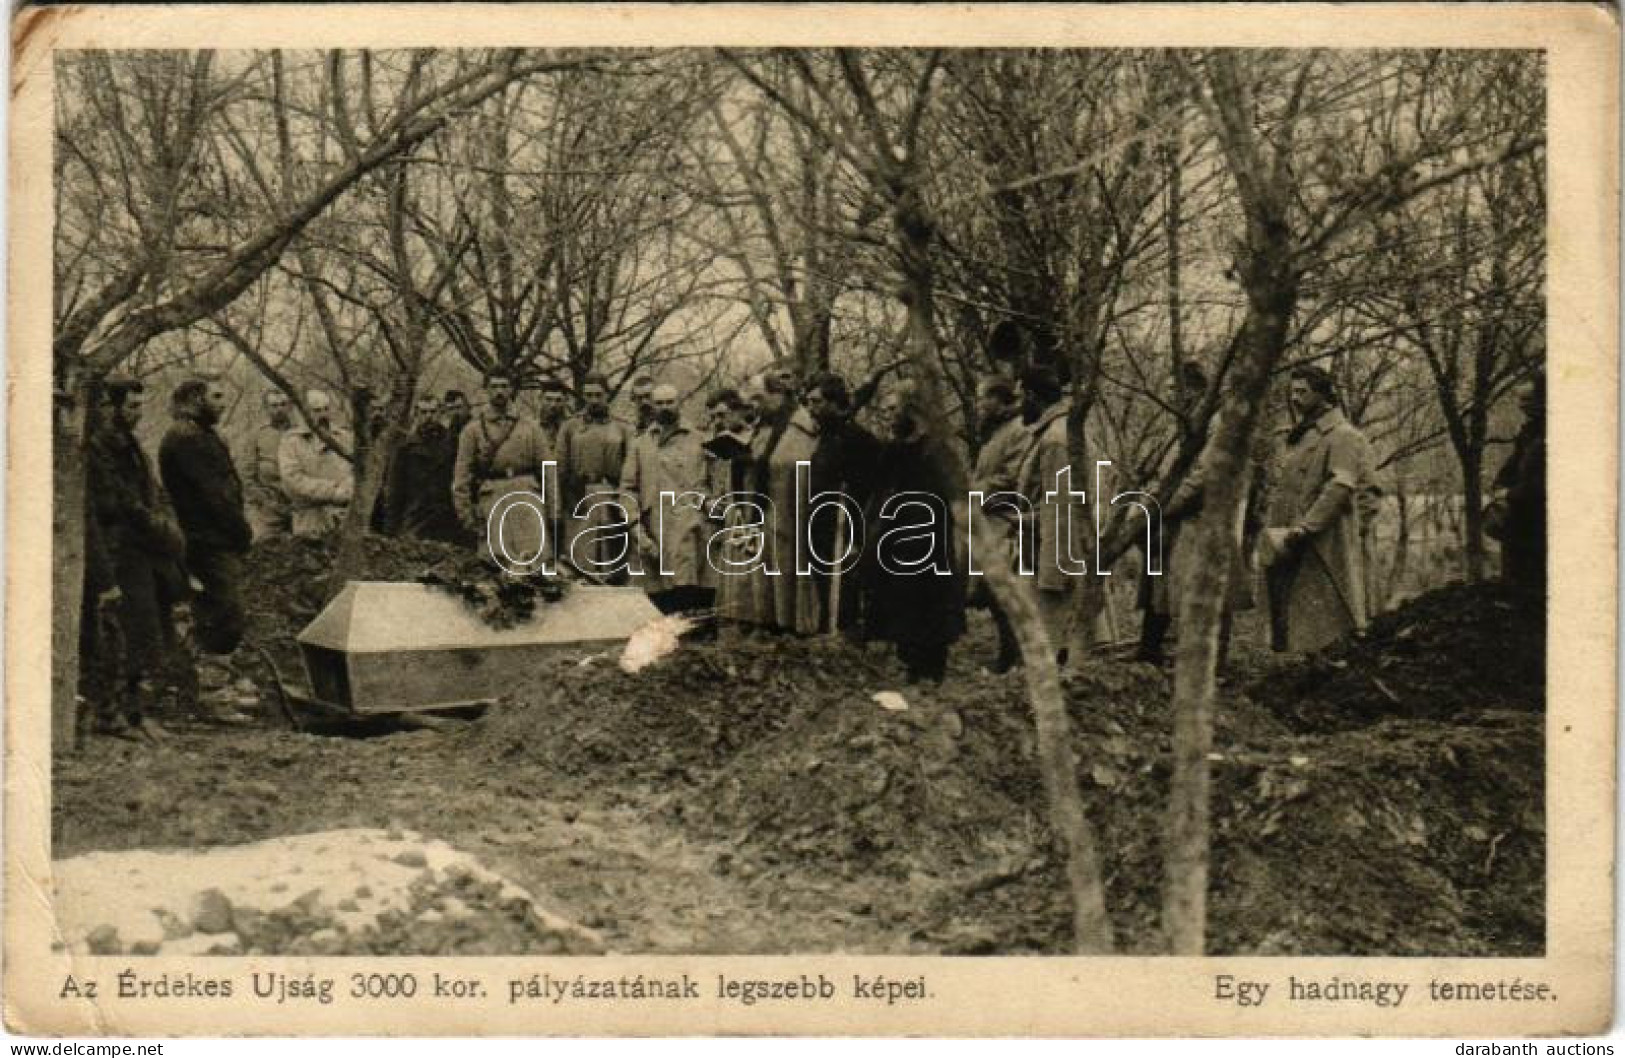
387	616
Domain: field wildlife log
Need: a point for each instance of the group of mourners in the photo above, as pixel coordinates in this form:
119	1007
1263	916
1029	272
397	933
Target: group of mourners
647	500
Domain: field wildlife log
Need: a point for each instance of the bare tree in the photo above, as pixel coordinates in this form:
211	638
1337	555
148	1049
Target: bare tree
1269	114
881	106
150	239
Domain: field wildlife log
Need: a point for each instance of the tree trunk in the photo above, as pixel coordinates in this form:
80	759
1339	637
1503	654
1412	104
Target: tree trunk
1402	543
67	569
1472	500
372	459
1057	765
1091	928
1208	556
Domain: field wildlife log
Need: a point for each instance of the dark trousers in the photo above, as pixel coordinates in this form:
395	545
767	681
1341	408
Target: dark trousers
924	661
143	615
217	610
1154	633
101	658
678	600
1009	648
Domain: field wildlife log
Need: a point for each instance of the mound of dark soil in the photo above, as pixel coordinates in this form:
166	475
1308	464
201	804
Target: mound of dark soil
1364	835
288	579
677	722
1465	648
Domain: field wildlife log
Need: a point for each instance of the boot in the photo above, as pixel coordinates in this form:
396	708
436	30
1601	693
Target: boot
220	689
147	730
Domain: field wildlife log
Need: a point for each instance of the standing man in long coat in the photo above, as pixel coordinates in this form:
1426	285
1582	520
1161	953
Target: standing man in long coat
914	586
502	455
1315	548
1064	524
1045	402
779	599
420	479
268	512
1158	596
317	478
207	494
1517	510
998	470
592	452
728	445
671	530
143	547
846	460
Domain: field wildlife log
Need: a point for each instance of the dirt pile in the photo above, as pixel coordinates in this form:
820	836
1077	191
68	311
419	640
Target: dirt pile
678	721
1464	648
288	579
945	789
1357	833
1384	797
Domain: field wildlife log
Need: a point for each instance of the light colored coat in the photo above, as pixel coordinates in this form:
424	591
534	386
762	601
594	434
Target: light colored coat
316	480
1323	483
267	505
1046	457
669	461
784	601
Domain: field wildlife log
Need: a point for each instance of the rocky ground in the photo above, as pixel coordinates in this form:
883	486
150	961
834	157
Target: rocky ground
1385	798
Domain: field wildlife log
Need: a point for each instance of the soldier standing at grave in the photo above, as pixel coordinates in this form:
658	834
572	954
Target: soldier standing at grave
501	455
592	451
268	511
998	470
665	479
316	478
780	599
207	494
143	546
420	479
1315	550
915	583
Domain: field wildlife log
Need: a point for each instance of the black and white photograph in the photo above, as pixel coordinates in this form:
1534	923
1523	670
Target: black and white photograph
799	501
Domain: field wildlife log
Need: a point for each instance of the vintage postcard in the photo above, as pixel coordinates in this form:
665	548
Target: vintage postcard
969	520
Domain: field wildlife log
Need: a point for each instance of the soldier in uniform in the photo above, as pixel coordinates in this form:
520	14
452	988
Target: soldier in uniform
592	451
1517	509
780	600
671	531
554	409
846	460
643	407
420	479
454	406
1315	550
915	585
728	444
316	478
998	470
268	512
501	457
142	546
207	494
